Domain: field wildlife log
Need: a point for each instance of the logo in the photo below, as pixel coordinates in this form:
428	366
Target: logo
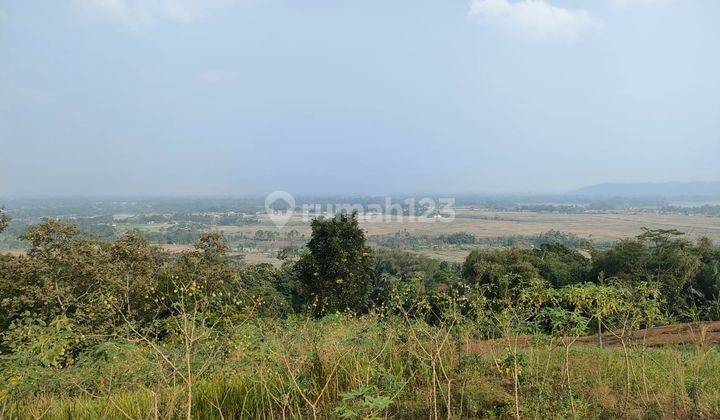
280	206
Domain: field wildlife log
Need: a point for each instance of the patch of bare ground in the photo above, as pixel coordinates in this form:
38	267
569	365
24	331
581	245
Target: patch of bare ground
177	249
701	334
260	258
15	252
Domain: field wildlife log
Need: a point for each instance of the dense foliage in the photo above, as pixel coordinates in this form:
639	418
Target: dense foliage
4	219
335	274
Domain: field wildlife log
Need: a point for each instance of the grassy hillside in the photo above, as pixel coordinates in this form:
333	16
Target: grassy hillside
346	367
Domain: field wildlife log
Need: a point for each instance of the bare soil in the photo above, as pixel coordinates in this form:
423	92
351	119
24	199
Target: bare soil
699	334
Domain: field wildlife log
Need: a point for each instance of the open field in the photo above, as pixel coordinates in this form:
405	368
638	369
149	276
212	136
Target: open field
258	257
490	224
598	227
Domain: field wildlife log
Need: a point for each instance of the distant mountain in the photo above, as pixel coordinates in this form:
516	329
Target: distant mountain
652	189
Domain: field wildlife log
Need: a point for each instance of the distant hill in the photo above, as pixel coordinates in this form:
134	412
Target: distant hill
652	189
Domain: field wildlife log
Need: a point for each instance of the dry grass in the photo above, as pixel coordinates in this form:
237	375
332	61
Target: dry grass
176	249
493	224
344	366
257	257
452	255
490	224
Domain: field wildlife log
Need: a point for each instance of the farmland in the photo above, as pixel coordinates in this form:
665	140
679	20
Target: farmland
260	240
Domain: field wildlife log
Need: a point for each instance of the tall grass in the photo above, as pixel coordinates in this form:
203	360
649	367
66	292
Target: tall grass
343	367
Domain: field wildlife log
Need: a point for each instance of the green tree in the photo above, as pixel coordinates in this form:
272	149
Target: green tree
137	263
561	265
4	219
335	274
263	283
594	301
65	279
656	256
91	287
207	270
64	274
499	271
673	265
706	284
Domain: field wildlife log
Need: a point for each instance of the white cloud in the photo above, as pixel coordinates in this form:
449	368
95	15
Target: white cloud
135	13
535	18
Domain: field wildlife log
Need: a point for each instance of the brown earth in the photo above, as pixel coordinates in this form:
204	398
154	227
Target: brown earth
702	333
491	224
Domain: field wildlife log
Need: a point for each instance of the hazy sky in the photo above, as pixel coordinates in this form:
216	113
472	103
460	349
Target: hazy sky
175	97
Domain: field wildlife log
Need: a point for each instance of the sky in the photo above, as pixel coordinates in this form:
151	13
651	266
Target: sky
244	97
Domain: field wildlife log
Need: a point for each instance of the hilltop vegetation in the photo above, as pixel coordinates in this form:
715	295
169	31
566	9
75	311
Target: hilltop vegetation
123	329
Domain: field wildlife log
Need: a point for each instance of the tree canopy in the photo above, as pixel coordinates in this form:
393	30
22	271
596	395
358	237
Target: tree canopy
334	275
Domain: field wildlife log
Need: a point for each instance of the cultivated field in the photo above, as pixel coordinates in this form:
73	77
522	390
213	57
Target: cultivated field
490	224
599	227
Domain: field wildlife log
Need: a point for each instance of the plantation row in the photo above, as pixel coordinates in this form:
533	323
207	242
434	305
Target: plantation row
124	329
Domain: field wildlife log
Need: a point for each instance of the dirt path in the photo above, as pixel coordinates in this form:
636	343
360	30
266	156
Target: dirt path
702	333
696	333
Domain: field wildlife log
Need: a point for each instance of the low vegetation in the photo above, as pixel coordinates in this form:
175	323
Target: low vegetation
122	329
